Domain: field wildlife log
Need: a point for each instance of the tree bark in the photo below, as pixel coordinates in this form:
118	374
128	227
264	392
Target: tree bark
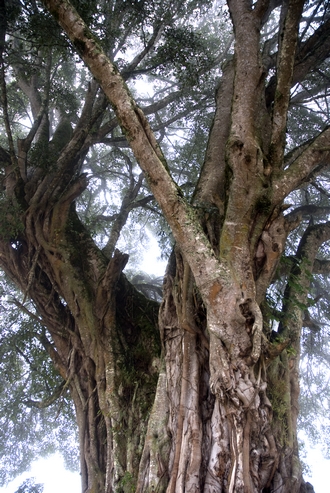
106	342
224	417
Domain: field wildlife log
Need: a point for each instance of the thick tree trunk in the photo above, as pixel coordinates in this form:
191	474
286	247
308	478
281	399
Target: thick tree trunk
106	340
219	423
241	438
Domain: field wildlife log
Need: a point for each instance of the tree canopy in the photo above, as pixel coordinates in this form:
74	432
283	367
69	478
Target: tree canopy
207	125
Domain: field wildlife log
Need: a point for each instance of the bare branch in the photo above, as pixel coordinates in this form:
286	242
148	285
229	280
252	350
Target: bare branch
321	267
140	56
25	310
311	53
308	210
288	37
177	211
310	94
121	218
312	159
48	401
148	110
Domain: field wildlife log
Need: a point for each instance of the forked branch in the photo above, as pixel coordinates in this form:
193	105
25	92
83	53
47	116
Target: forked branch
177	211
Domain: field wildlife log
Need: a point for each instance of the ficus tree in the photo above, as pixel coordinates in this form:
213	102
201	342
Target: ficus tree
200	393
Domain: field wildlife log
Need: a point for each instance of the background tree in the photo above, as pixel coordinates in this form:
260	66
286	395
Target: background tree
249	223
30	486
36	413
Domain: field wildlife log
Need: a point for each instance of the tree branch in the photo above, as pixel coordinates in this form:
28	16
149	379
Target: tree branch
210	186
4	158
46	402
148	110
321	267
312	159
313	52
308	210
178	213
285	63
295	296
310	94
140	56
309	55
247	25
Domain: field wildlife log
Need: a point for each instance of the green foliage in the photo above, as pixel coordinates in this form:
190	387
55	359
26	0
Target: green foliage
315	393
30	486
11	225
40	157
17	108
28	374
126	484
277	395
185	52
303	124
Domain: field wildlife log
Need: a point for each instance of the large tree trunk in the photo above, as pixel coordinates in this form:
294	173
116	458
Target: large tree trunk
221	421
106	340
238	438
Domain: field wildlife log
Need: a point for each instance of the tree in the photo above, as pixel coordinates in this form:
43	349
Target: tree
36	411
223	416
30	486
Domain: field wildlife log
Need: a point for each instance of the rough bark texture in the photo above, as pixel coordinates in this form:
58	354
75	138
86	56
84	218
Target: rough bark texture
224	418
109	360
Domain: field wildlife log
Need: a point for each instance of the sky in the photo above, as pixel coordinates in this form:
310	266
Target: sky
52	473
152	263
319	477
